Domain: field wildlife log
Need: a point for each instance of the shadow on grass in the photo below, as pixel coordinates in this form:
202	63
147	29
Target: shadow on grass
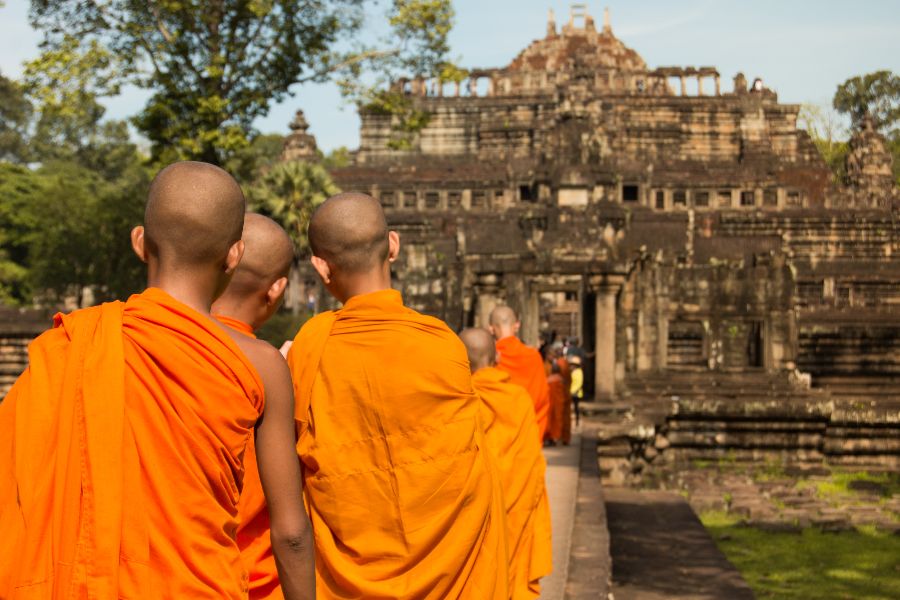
857	565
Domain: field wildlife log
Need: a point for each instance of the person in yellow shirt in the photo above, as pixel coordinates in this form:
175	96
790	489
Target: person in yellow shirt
577	387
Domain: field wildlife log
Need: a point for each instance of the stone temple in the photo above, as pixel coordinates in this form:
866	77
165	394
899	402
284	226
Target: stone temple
726	289
684	230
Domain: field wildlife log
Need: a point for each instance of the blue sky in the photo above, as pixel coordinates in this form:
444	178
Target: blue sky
801	48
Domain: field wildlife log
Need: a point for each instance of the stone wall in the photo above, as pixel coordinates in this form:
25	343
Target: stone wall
17	329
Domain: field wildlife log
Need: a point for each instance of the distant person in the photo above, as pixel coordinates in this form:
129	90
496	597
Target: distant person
510	430
524	364
566	372
404	499
251	298
558	398
120	462
577	387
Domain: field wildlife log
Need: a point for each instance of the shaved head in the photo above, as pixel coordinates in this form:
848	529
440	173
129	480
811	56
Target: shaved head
194	214
503	322
268	255
350	232
480	346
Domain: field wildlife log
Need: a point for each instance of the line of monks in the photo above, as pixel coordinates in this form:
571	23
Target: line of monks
154	448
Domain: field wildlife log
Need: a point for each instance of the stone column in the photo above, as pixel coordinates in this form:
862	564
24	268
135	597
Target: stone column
530	318
683	85
699	85
718	88
487	297
607	287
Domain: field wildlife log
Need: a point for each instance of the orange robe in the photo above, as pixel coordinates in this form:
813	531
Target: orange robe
510	428
403	497
253	532
558	393
566	372
526	368
120	462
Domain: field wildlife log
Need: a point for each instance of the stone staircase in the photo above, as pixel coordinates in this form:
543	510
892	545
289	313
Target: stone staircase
670	420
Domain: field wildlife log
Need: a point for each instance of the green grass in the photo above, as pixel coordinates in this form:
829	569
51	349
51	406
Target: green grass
839	482
855	565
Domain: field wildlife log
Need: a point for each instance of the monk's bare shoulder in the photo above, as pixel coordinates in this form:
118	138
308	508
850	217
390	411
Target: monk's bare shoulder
261	353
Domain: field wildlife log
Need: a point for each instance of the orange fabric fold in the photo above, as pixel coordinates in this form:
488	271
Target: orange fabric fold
526	368
236	324
403	497
510	430
566	372
122	474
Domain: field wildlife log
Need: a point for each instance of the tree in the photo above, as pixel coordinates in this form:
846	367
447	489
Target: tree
289	193
64	229
79	238
262	152
19	186
15	113
878	96
829	135
214	67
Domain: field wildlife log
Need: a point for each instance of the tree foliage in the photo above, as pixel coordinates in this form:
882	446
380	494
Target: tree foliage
15	114
875	94
64	227
213	68
829	135
878	96
260	154
289	193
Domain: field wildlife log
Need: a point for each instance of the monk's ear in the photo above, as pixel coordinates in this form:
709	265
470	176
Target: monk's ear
517	326
233	258
276	291
321	268
138	243
393	246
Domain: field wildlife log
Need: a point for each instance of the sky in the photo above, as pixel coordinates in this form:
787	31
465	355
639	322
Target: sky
802	49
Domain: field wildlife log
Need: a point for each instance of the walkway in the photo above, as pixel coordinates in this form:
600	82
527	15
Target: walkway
562	488
661	551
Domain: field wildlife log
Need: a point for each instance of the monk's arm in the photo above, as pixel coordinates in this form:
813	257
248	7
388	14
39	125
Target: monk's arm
279	470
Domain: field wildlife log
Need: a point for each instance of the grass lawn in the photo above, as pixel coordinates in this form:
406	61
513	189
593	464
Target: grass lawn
856	565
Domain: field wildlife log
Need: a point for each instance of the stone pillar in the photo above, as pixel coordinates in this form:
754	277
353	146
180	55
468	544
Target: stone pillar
699	85
530	318
456	89
718	88
487	297
607	287
683	86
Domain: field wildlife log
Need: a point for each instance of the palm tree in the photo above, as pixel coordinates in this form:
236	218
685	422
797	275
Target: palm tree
289	193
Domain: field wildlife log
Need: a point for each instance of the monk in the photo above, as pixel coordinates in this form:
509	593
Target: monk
558	395
254	294
524	365
120	458
403	497
565	372
510	428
